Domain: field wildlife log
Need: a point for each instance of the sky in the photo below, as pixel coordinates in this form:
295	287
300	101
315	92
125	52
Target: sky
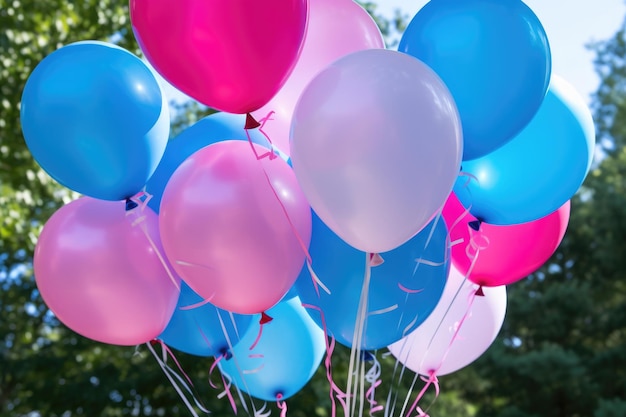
569	24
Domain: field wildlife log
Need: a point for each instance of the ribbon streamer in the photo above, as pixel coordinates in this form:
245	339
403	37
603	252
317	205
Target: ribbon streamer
330	347
373	378
282	405
169	374
356	366
141	200
431	380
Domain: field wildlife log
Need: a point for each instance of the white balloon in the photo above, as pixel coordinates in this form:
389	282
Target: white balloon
433	346
376	145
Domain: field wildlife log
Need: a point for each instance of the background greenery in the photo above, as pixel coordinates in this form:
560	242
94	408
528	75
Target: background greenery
561	353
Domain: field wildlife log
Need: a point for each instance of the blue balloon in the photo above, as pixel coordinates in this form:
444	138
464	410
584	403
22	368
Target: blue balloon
205	330
539	170
403	290
214	128
290	349
95	119
494	57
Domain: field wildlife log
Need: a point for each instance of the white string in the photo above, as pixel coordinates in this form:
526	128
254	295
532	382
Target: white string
355	352
174	384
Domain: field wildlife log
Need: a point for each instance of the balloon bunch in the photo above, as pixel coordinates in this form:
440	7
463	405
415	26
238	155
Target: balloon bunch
528	145
95	118
376	195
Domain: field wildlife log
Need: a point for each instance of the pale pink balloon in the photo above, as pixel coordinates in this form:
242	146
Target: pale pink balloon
232	55
460	329
501	255
99	269
335	28
235	228
376	144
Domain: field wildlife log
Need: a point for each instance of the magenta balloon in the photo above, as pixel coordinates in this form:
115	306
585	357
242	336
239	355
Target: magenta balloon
336	28
502	255
229	234
99	273
232	55
376	145
433	347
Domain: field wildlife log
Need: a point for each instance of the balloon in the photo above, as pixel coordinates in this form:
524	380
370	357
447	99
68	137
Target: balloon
329	21
95	118
376	146
234	227
402	292
285	357
231	55
99	269
501	255
433	345
539	170
203	330
213	128
495	58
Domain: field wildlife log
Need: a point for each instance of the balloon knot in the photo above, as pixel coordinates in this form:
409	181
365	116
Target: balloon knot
480	292
475	225
251	122
154	342
130	204
226	353
265	318
376	259
367	356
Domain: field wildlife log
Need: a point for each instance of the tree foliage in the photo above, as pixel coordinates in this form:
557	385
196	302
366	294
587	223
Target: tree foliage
45	369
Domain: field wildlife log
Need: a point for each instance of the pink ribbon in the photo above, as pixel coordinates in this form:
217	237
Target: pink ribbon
262	322
431	380
335	392
282	405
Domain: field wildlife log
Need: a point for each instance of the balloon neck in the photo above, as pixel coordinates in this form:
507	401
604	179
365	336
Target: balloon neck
475	224
251	122
265	318
226	353
130	204
367	356
480	292
376	259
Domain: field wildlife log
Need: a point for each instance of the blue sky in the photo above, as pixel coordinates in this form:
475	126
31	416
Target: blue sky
570	25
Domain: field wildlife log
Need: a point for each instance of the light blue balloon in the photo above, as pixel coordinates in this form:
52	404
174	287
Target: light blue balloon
494	57
204	330
403	290
539	170
289	351
214	128
95	118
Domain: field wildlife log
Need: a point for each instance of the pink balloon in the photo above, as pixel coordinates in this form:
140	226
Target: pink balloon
433	345
336	28
234	238
232	55
99	271
376	145
502	255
